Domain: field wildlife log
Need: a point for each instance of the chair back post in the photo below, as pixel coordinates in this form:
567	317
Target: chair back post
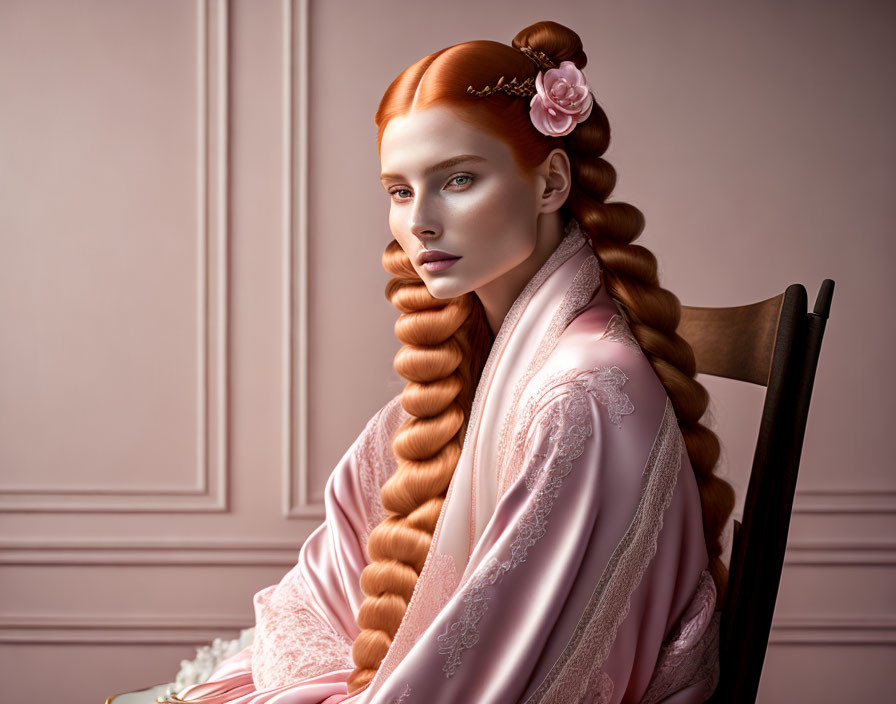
758	548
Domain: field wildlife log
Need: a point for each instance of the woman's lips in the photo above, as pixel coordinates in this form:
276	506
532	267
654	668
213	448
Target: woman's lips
439	264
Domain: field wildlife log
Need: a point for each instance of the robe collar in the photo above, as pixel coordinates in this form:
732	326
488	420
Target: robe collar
560	289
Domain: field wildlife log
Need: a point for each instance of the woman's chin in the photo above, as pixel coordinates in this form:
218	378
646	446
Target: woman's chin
445	289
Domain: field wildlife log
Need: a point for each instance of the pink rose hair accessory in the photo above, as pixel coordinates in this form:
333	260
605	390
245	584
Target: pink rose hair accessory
561	96
561	101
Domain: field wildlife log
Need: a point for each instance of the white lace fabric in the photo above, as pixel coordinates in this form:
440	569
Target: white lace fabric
293	641
208	659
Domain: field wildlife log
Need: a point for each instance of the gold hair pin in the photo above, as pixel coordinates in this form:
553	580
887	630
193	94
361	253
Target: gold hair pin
525	89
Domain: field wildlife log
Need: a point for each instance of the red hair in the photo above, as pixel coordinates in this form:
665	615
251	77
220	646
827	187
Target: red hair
446	342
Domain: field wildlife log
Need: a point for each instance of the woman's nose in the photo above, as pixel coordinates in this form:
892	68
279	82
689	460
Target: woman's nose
424	223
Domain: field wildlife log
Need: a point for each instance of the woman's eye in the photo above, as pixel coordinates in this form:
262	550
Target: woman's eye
400	194
397	191
462	177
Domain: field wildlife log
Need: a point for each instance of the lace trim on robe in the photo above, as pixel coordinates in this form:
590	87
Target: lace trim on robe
588	648
444	573
577	295
604	383
582	289
567	425
376	460
291	641
619	331
568	246
691	653
437	568
573	240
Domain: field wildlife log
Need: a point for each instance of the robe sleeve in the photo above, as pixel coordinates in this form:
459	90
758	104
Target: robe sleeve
305	624
588	563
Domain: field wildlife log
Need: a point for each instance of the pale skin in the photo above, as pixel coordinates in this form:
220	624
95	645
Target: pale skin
502	226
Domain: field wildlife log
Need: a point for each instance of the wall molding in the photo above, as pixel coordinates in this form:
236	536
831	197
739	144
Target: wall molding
105	629
844	501
841	553
225	552
827	630
297	502
156	553
210	490
173	629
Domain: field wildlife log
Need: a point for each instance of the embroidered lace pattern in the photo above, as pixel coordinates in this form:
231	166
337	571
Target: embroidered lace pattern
581	290
292	642
691	653
443	578
567	424
595	688
593	637
404	697
569	245
603	688
376	460
604	383
619	331
437	572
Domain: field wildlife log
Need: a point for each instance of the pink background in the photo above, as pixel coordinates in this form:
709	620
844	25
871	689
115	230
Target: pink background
194	322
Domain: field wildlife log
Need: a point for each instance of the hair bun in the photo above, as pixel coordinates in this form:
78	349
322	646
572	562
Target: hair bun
556	41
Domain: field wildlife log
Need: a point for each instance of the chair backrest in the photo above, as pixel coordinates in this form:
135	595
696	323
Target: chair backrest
774	343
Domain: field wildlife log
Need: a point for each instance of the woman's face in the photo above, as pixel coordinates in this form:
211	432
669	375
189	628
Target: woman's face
456	189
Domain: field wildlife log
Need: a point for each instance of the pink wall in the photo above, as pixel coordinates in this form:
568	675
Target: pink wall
161	458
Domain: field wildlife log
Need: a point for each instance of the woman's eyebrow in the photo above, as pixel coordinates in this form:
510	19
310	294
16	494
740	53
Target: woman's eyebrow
448	163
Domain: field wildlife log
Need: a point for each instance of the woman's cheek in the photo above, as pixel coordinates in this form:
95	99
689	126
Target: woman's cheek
500	205
398	228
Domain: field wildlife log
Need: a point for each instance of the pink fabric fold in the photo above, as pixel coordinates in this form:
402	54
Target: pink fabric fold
568	564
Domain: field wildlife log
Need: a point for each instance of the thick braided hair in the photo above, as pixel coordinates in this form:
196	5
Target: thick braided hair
446	342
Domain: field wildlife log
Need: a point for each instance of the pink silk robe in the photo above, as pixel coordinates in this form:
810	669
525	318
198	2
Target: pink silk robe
568	564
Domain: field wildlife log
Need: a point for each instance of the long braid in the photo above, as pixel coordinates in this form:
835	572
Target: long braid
653	313
445	345
445	342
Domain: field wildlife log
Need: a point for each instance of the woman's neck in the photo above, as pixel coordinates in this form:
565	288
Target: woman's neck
498	295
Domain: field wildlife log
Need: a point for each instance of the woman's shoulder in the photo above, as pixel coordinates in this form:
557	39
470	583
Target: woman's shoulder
390	413
598	353
368	463
374	444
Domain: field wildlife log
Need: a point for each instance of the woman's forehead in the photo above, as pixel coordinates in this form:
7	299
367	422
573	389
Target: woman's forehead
422	139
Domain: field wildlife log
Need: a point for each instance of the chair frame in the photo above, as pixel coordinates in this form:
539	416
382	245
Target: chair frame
774	343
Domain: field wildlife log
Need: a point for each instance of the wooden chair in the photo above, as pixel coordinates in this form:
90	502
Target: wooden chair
774	343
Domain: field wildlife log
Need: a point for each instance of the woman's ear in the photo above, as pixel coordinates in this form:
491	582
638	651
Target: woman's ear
555	170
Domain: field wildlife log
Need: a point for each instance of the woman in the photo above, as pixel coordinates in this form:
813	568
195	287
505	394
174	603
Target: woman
535	517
